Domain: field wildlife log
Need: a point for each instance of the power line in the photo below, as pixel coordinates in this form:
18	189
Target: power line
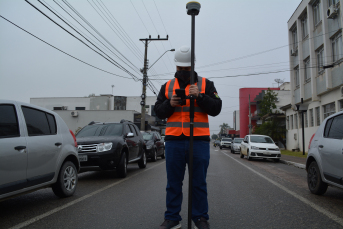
117	33
85	29
116	64
95	30
63	51
258	53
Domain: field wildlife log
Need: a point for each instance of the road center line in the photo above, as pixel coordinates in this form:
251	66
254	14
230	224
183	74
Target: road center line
302	199
37	218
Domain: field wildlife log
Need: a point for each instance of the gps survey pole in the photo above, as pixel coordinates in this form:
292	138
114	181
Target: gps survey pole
193	9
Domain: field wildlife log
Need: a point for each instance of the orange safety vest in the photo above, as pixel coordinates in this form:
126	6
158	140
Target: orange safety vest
179	122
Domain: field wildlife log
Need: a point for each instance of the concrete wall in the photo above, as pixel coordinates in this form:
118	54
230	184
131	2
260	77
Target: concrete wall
70	102
85	117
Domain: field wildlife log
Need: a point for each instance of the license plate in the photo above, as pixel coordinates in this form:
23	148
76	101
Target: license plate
267	153
83	158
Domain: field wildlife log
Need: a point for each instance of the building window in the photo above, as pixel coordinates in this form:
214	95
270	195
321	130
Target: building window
311	118
333	2
296	121
80	108
295	38
296	77
329	109
291	121
304	26
320	60
341	105
337	47
316	13
318	116
307	69
305	119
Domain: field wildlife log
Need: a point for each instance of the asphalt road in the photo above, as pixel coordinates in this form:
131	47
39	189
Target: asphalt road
242	194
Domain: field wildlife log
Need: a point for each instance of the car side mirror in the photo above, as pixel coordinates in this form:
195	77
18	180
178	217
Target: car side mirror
129	135
246	141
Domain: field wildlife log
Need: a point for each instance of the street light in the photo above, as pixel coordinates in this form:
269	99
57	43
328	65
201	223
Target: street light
172	50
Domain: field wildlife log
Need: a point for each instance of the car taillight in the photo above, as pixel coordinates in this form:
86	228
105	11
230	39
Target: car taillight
72	134
309	145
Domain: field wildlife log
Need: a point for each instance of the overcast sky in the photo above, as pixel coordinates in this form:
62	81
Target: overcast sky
226	30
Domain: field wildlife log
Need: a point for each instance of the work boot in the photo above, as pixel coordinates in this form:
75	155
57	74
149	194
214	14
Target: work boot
170	224
202	224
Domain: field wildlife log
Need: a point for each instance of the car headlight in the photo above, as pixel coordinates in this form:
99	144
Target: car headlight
254	147
148	146
102	147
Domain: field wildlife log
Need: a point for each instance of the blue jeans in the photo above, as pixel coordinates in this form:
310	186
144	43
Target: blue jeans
177	156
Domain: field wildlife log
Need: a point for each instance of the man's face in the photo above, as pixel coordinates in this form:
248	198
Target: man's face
178	68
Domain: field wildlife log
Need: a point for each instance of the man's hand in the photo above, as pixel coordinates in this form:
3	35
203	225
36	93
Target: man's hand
193	90
175	101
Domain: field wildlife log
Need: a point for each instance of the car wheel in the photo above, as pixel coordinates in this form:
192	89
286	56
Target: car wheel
314	180
142	161
154	157
240	153
67	180
248	156
220	147
163	154
122	168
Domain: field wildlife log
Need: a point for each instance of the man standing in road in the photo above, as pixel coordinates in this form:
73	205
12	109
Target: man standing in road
168	106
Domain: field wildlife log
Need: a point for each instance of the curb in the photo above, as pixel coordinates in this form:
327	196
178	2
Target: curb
298	165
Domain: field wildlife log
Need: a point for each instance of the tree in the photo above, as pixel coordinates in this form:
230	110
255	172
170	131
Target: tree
224	127
274	129
268	103
214	136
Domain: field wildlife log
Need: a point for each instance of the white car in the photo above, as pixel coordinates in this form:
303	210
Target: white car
225	143
324	164
236	145
260	146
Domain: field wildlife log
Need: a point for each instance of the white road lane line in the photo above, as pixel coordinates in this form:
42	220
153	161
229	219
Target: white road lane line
334	217
37	218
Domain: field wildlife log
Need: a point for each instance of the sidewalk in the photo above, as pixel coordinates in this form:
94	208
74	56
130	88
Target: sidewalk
295	161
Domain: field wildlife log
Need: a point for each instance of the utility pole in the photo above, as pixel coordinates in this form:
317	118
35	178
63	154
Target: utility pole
302	126
145	75
249	117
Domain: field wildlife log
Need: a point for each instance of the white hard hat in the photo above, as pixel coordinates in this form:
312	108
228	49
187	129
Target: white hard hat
183	56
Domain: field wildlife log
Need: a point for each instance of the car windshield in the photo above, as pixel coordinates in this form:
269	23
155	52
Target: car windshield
238	140
147	136
101	130
227	139
261	139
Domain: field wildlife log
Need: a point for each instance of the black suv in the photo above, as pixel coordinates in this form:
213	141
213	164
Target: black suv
110	146
154	145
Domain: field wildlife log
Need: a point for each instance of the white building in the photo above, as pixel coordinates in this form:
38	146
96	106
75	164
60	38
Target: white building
316	61
77	112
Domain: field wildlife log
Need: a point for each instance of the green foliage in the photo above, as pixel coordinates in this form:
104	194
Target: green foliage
224	127
214	136
273	129
268	103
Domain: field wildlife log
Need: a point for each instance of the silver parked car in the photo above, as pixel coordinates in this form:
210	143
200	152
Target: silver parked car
324	164
37	150
236	145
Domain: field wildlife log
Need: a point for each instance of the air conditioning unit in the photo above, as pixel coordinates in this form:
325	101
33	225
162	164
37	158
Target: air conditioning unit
292	52
341	90
64	107
332	12
74	113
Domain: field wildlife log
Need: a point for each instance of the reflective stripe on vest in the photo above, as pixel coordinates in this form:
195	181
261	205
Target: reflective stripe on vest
179	122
